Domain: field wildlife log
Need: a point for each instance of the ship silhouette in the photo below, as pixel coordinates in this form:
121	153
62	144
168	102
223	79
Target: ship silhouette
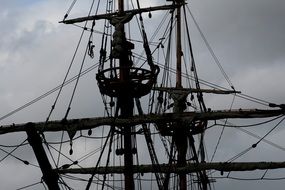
156	122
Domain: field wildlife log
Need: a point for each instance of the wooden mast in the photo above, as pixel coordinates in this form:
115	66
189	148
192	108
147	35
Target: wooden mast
179	135
126	105
178	45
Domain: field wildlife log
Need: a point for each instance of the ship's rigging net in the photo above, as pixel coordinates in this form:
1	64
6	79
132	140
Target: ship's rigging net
157	148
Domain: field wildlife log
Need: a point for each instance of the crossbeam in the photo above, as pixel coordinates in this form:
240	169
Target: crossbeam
110	15
189	168
193	90
88	123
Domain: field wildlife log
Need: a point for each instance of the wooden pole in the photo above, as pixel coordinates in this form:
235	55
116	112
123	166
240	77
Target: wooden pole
50	176
189	168
126	105
89	123
110	15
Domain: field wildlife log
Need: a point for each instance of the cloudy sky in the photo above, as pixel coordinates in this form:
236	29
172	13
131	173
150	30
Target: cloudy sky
248	37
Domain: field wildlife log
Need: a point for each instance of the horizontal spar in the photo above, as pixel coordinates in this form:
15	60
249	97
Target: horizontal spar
193	90
88	123
189	168
110	15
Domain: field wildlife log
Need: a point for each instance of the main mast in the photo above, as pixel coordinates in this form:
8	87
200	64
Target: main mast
126	83
125	101
180	137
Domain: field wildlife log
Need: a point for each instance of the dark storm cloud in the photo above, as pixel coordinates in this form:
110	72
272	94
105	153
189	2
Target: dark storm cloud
244	32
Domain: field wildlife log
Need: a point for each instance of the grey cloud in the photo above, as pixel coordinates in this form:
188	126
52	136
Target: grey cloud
250	32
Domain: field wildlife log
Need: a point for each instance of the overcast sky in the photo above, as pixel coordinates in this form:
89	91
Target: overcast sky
248	37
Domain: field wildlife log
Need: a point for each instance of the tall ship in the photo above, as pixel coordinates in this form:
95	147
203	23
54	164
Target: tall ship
160	124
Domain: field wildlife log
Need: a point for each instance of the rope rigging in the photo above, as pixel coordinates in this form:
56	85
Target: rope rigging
253	146
221	134
210	49
81	66
31	185
69	9
185	75
10	154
